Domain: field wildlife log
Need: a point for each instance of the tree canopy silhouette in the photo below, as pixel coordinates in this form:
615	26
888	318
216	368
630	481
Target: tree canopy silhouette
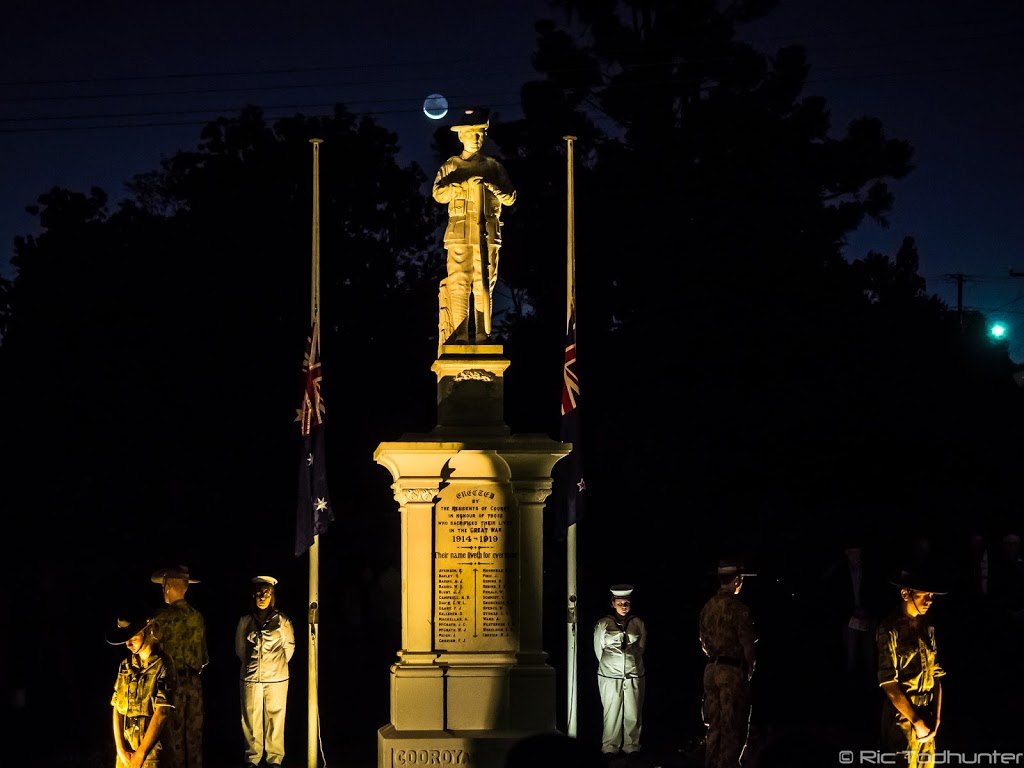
173	326
721	318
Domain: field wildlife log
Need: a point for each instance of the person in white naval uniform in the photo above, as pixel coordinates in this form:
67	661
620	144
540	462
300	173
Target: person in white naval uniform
620	639
264	644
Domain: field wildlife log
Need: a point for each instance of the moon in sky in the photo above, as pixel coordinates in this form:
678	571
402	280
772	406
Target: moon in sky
435	106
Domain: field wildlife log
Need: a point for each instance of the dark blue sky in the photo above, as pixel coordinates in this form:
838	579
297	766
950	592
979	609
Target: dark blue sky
948	76
90	96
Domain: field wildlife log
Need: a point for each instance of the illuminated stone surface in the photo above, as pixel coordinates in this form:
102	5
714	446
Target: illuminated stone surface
475	187
471	677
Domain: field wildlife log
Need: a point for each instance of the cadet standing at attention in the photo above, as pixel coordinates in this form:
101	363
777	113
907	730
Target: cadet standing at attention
182	632
264	644
728	640
620	639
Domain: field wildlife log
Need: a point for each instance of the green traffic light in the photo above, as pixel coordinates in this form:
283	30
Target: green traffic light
997	331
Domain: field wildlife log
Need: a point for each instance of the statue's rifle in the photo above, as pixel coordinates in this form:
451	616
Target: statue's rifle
485	260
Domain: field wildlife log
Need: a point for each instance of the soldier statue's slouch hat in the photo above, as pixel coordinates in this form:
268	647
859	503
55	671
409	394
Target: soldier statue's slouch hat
474	117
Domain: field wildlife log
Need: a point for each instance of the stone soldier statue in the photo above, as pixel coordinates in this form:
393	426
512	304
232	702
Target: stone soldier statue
474	187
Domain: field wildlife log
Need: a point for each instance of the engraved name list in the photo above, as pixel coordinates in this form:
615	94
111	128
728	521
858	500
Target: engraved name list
476	569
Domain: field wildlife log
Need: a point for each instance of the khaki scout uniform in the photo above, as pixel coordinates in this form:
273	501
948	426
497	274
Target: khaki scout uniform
182	632
138	691
727	636
907	654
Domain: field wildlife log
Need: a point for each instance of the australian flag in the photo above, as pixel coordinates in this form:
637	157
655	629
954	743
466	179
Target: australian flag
569	475
313	511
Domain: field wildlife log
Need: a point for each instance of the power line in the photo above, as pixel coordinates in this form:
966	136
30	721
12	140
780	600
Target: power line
261	72
419	64
213	116
239	89
321	105
449	63
328	86
272	111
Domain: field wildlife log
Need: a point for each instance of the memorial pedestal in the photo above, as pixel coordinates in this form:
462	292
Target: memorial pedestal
471	677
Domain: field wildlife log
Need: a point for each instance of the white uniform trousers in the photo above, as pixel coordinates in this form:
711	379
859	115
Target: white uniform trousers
263	712
623	703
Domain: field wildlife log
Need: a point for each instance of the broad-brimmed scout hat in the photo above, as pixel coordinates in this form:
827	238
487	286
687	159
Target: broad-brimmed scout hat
474	117
174	572
920	579
270	581
128	624
728	566
621	590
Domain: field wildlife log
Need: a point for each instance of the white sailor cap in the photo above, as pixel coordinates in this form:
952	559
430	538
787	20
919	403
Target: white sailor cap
264	580
622	590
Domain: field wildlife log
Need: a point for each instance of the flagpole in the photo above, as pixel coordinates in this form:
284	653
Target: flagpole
570	535
313	709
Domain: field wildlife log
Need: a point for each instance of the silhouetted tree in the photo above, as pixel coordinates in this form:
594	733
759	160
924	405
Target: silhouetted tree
721	320
152	355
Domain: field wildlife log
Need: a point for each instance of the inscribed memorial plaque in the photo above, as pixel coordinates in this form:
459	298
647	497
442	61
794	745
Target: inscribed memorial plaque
476	568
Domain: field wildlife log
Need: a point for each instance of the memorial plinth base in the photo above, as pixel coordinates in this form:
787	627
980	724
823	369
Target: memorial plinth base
471	677
466	696
403	749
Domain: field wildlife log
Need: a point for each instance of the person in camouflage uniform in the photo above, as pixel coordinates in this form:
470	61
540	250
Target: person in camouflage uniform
728	640
143	694
909	672
182	632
